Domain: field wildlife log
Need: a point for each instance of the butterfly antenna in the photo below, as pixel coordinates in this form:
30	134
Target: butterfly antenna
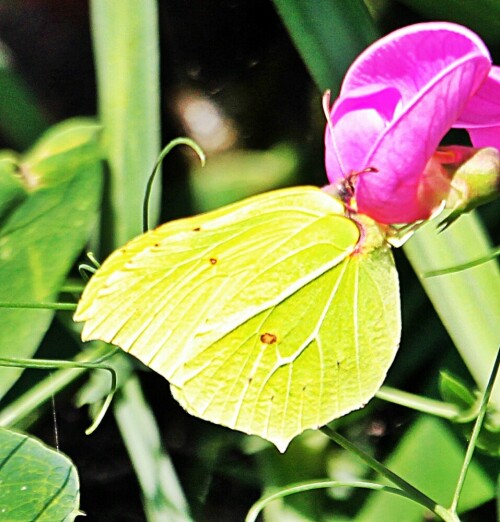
149	187
326	110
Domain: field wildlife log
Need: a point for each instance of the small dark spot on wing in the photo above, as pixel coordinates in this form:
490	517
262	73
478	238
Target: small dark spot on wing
213	260
268	338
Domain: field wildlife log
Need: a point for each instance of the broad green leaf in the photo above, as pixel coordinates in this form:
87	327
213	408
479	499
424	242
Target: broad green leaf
454	390
37	482
468	302
329	34
267	316
429	457
48	205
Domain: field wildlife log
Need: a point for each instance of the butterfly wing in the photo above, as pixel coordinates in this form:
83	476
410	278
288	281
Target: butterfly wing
243	307
319	354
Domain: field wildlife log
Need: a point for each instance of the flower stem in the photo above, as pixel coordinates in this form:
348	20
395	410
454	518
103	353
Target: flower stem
43	391
441	409
405	486
42	306
475	434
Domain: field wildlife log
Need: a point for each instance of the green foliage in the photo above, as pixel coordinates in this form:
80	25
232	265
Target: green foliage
454	390
328	35
48	204
38	483
125	40
483	17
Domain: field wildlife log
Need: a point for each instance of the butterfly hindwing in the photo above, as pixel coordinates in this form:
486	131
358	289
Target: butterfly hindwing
316	356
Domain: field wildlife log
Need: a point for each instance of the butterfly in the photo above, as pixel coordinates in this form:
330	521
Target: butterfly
270	316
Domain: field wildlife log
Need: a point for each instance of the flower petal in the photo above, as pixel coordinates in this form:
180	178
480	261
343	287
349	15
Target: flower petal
481	116
356	121
407	144
410	57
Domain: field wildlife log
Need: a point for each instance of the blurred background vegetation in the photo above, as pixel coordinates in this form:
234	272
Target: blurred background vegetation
232	80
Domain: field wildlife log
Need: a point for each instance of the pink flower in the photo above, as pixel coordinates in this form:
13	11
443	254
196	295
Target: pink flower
399	98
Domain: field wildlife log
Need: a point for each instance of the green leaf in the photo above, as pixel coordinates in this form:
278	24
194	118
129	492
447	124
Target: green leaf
266	316
46	223
12	189
329	34
454	390
163	495
38	483
468	301
22	119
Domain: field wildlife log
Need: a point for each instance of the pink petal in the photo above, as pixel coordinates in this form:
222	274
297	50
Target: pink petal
481	116
404	148
410	57
356	121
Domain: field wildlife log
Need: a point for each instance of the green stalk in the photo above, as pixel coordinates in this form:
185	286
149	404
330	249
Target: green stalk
125	37
311	485
441	409
162	492
411	491
126	44
18	410
475	434
39	306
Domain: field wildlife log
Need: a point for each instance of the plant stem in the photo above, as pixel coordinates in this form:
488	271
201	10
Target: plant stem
318	484
149	187
475	434
441	409
39	306
405	486
37	395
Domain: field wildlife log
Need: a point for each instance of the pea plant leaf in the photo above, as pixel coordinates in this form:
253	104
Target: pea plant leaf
48	202
271	316
38	483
